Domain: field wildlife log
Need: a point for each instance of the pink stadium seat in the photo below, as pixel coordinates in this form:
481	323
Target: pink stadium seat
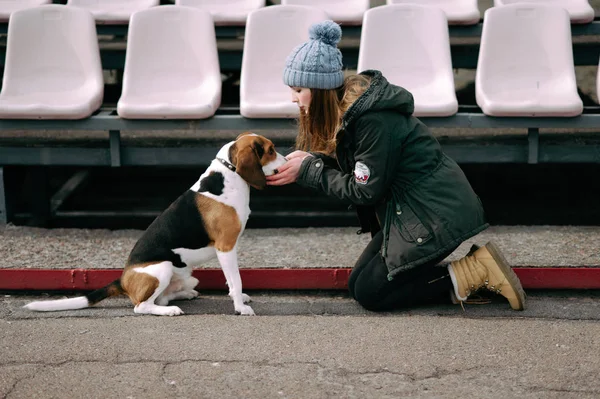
226	12
580	11
171	66
410	45
342	11
7	7
458	12
525	65
53	68
271	34
113	11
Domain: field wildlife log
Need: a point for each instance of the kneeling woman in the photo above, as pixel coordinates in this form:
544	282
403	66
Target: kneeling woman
359	142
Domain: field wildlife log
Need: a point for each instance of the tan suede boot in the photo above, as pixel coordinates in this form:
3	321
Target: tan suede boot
486	268
473	299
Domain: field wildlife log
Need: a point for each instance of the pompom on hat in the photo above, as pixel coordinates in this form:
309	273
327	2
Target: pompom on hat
317	63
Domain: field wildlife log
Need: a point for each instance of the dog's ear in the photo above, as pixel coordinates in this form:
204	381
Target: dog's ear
248	166
259	149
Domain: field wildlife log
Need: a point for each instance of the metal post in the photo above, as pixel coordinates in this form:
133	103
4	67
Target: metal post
115	148
3	202
533	137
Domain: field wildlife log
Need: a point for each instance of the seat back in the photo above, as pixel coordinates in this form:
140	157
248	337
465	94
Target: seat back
410	45
226	12
110	4
458	12
52	49
526	59
580	11
169	49
113	11
7	7
271	34
342	11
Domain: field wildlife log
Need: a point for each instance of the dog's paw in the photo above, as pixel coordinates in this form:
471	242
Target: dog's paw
246	298
245	310
172	311
191	294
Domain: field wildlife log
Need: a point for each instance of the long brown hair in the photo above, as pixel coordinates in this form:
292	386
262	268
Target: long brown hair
317	130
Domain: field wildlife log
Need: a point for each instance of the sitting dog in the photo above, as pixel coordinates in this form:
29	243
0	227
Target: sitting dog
206	221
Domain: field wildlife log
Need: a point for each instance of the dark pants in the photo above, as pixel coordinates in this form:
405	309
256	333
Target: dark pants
369	285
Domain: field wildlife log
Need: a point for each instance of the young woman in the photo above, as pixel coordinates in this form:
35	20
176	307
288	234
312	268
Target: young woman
367	148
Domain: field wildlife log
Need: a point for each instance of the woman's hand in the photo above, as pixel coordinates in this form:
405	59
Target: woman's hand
288	173
298	154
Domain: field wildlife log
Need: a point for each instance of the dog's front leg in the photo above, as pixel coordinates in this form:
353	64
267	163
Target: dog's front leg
229	264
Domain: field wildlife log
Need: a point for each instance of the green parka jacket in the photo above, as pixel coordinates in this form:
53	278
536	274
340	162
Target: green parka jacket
390	166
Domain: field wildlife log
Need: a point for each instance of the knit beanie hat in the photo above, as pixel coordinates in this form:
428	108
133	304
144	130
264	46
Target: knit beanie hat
316	64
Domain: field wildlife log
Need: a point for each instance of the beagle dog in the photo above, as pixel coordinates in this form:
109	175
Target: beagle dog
204	222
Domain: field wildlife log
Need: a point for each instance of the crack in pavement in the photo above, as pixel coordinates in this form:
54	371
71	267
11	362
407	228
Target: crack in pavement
30	375
438	373
441	373
324	372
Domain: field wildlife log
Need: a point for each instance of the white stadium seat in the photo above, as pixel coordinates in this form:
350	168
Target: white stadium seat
7	7
171	66
349	12
113	11
271	34
52	68
580	11
525	65
458	12
410	45
226	12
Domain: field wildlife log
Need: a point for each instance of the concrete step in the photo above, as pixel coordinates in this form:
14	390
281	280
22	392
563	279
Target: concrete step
287	257
523	246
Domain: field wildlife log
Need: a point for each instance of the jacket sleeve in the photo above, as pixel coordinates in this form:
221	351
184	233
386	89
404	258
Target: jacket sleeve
328	161
374	157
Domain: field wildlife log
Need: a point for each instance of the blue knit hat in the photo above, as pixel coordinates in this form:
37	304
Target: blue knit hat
316	64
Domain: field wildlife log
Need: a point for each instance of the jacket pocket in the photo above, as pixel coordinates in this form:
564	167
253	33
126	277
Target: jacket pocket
409	225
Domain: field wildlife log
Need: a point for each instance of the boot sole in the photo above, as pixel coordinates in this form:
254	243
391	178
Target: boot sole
511	276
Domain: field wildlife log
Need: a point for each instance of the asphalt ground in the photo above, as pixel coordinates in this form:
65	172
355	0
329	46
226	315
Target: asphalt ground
304	345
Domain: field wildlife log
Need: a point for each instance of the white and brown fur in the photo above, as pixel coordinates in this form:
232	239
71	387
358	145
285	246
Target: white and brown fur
204	222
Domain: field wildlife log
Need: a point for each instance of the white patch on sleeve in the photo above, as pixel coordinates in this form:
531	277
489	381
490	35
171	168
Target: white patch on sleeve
361	173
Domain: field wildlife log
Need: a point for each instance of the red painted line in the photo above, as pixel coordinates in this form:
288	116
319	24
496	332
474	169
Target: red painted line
559	277
272	279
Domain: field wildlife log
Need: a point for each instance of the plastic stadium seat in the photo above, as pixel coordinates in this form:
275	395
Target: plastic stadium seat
525	65
580	11
271	34
458	12
418	57
171	66
226	12
7	7
341	11
53	68
113	11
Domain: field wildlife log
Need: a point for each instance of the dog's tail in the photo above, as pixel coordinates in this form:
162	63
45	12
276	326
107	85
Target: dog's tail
80	302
